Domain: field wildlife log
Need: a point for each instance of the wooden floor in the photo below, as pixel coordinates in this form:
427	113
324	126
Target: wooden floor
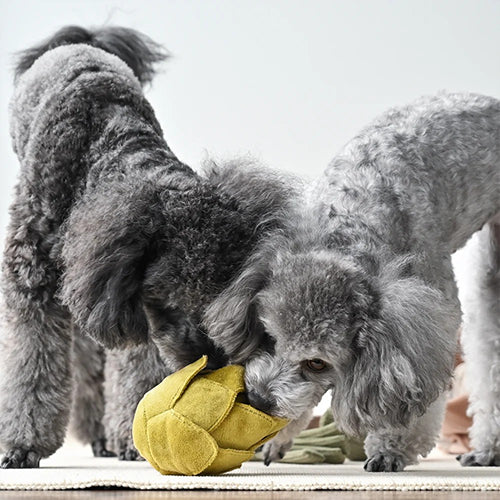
248	495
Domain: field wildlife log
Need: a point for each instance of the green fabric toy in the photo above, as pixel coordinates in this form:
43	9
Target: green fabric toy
196	422
323	444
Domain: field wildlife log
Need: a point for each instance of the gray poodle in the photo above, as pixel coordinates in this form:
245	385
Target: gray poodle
111	239
358	293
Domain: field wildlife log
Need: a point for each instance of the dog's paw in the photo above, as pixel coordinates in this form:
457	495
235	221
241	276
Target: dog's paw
128	452
275	450
479	459
20	458
99	449
384	462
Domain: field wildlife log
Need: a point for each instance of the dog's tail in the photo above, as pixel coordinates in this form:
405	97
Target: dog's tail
137	50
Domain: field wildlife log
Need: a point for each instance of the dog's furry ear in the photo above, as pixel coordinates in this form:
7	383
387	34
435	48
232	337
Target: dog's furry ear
401	360
104	254
265	197
231	319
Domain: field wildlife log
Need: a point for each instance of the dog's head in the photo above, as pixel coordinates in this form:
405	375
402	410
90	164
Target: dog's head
143	253
380	343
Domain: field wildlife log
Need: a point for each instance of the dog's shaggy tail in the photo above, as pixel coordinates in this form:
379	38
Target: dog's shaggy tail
137	50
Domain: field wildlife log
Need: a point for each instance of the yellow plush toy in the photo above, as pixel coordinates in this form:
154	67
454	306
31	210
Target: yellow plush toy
196	422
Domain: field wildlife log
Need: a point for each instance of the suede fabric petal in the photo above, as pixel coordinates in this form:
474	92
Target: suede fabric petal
194	422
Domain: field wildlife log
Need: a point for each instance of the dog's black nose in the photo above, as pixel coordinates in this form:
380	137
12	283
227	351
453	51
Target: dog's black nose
260	402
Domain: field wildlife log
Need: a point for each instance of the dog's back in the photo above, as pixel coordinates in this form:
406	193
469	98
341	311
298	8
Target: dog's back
77	102
72	58
432	168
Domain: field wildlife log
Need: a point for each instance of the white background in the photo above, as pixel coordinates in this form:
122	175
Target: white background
288	81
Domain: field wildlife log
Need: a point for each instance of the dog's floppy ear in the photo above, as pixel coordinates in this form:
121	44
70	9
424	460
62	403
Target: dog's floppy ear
104	254
231	319
402	360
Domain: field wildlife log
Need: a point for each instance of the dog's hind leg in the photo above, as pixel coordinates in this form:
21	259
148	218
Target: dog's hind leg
391	450
481	343
35	345
88	399
130	373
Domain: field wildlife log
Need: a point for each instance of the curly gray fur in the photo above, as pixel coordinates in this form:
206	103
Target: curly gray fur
109	232
361	279
129	374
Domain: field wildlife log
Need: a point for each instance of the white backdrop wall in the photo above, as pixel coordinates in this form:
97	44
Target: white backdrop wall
288	81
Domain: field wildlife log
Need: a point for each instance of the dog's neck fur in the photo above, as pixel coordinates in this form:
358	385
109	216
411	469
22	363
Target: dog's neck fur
350	221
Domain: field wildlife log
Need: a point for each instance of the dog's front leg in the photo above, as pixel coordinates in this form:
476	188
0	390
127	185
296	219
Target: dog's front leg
282	442
391	450
88	397
130	373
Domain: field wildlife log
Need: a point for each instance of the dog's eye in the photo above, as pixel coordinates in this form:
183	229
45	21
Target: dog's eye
315	365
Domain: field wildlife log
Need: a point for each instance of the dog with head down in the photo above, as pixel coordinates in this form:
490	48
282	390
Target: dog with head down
357	293
112	242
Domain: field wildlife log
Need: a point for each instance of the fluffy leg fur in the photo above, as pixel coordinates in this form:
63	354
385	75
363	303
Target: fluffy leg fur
35	344
88	399
481	342
130	373
391	450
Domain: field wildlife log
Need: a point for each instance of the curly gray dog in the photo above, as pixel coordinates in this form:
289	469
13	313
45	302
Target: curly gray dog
359	295
111	238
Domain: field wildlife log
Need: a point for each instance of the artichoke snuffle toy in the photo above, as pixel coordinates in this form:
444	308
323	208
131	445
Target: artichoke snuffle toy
196	422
